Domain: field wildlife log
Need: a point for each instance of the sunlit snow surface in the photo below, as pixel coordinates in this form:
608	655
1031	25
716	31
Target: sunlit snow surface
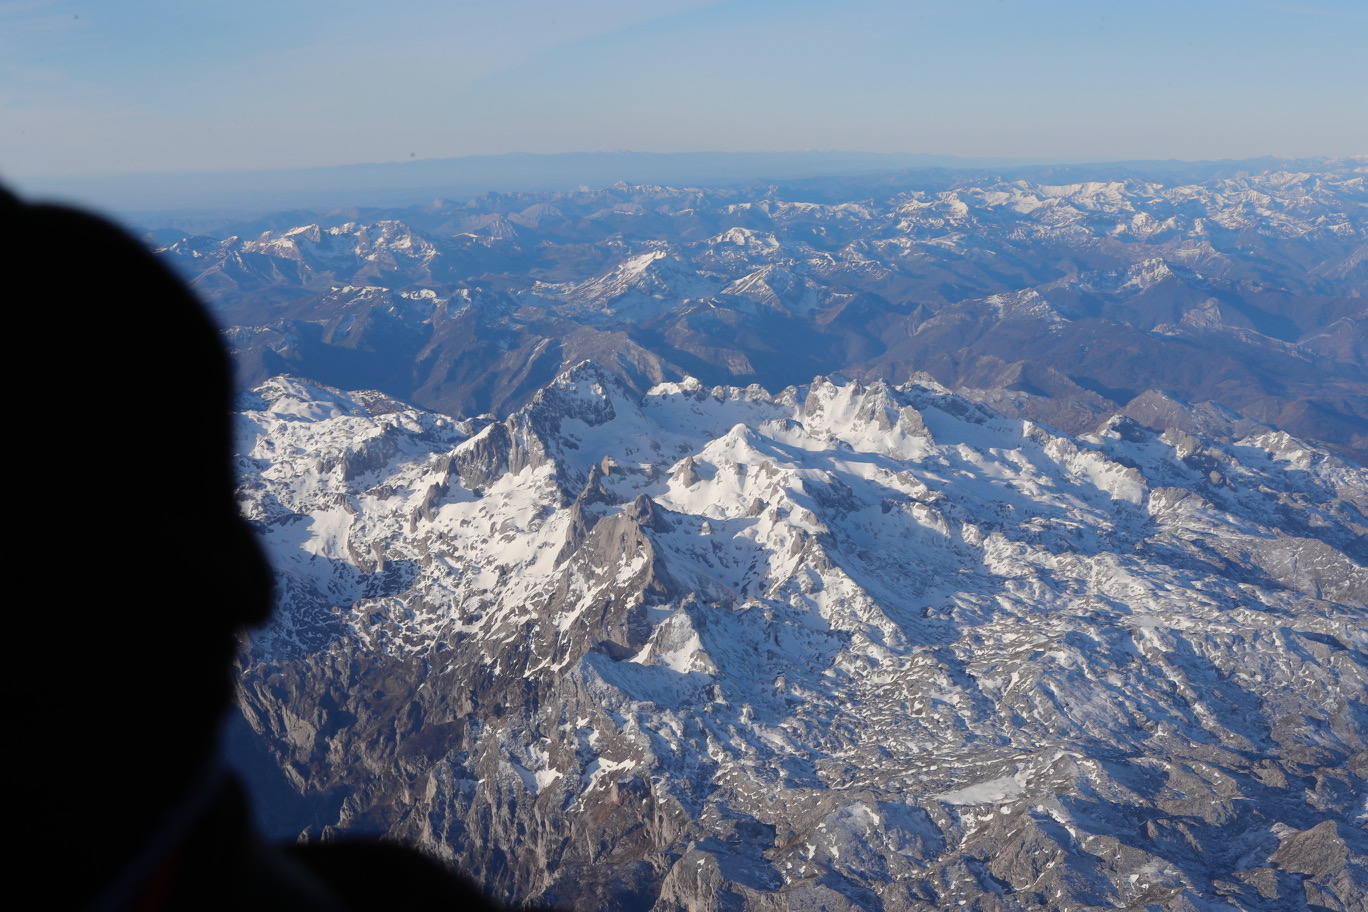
847	646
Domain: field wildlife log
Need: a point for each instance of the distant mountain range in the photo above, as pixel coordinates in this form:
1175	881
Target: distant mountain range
186	198
206	201
1063	302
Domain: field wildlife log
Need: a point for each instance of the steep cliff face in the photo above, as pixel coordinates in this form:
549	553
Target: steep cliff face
848	646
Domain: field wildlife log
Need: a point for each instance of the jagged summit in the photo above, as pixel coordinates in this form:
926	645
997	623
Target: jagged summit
848	645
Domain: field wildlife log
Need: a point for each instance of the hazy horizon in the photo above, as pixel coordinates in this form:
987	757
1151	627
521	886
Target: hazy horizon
205	198
938	159
158	88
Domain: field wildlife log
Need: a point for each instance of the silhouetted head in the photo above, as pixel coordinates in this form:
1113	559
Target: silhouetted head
134	572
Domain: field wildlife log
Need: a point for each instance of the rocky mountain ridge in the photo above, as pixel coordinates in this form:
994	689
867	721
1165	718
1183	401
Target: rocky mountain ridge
847	645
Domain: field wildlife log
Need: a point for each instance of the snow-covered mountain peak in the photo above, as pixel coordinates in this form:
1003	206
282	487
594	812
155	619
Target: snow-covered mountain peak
1147	273
586	390
844	638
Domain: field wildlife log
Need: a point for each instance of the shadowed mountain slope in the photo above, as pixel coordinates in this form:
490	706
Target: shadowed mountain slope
1060	302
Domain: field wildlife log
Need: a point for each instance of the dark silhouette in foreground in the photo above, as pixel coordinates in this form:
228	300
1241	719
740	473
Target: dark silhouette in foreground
140	575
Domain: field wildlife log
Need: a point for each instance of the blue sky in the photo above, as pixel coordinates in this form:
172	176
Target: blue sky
156	85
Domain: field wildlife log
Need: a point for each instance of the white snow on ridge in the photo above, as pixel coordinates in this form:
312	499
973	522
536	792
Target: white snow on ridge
844	611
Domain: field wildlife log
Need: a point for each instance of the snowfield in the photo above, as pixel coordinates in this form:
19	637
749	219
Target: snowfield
847	646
